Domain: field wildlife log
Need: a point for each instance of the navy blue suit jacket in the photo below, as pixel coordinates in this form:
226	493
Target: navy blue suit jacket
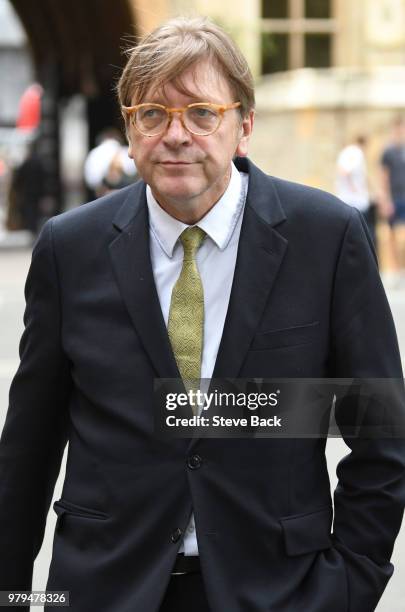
306	301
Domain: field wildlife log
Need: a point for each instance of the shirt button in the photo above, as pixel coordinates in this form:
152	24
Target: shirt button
194	462
176	535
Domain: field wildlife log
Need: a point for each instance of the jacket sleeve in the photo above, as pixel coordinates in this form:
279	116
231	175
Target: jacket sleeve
370	496
36	425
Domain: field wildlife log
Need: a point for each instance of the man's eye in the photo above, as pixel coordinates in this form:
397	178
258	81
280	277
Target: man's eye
204	112
150	113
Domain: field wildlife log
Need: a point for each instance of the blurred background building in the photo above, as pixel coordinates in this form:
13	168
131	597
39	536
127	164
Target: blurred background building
325	69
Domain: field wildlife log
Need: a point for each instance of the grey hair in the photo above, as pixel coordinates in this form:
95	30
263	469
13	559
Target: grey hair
163	56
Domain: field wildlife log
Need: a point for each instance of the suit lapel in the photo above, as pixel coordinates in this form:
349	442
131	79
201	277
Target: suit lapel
130	257
260	254
261	251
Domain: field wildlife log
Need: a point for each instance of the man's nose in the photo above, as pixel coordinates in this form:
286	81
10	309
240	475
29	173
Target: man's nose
176	132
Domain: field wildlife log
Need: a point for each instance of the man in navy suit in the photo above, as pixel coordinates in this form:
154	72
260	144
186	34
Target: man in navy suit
206	266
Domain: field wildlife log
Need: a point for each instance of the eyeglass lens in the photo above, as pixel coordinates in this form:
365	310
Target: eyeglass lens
201	120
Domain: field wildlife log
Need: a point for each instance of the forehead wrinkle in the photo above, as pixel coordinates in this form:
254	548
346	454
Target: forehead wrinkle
158	94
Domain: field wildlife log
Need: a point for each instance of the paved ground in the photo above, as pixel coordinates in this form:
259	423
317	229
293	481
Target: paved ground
13	269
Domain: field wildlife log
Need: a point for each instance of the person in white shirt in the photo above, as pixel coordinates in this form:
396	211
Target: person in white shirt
352	181
107	166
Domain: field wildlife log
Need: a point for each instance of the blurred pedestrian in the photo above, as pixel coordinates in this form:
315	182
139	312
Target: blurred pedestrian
352	180
392	203
27	190
108	166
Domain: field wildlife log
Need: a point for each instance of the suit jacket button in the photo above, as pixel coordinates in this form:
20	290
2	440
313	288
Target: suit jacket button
176	535
194	462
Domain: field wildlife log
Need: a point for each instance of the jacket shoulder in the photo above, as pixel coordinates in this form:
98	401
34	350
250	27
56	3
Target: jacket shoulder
305	202
95	215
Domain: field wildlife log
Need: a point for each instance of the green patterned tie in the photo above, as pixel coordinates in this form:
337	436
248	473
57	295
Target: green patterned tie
186	316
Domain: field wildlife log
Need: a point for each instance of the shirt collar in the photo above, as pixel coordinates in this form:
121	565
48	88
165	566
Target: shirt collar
219	223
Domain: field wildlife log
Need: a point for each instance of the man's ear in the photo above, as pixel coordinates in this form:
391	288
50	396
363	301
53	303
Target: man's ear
245	131
130	145
126	126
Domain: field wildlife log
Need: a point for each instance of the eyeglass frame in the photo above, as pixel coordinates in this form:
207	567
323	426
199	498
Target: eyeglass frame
221	108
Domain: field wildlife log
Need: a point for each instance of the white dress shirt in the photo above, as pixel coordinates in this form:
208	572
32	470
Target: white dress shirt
216	259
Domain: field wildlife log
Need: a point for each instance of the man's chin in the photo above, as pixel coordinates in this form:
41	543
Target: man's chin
178	192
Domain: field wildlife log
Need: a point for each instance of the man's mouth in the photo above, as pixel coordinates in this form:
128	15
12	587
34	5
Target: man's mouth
175	163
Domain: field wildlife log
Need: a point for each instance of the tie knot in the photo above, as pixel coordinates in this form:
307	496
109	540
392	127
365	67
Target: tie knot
191	239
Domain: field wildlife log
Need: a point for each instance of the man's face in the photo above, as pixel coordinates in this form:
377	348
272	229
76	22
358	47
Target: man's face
189	173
